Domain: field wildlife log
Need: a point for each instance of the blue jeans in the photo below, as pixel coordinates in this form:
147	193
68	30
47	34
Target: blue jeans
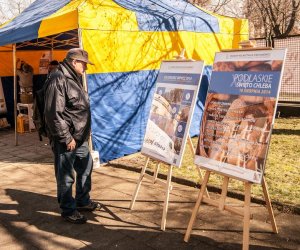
65	163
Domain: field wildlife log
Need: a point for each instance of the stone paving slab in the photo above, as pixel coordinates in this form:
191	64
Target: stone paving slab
30	217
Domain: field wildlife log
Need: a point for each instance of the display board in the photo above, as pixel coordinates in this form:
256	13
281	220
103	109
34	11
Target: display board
171	111
239	113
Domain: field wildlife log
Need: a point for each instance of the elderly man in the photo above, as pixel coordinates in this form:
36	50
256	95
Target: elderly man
68	120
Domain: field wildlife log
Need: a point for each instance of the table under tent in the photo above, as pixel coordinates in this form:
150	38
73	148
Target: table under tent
127	40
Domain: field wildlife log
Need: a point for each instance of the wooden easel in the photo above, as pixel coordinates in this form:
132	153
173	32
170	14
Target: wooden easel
245	212
166	184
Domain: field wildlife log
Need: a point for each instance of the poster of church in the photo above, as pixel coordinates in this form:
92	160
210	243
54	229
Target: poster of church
239	113
171	111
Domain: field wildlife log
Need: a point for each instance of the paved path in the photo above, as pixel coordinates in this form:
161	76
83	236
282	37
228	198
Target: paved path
30	218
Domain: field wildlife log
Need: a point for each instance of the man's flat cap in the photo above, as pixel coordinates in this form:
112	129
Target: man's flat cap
79	54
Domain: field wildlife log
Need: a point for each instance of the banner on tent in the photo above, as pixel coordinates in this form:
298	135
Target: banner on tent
171	110
239	113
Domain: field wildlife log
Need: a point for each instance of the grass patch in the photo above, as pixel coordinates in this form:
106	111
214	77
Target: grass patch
282	169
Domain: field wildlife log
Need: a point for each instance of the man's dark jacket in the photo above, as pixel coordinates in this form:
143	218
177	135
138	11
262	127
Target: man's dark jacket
67	108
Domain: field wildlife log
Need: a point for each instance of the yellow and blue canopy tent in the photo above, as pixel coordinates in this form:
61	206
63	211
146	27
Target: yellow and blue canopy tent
127	40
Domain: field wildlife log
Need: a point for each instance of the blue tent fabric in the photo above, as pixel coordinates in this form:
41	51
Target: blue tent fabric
199	107
120	104
25	26
162	16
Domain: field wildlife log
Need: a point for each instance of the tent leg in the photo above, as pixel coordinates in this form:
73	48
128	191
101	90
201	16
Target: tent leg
15	92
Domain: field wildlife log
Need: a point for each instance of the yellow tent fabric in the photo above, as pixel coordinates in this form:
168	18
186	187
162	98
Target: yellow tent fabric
113	32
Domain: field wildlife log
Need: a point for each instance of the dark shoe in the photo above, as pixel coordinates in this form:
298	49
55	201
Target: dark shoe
92	206
76	218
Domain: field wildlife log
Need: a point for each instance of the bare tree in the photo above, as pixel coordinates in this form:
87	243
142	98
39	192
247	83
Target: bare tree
267	18
214	6
11	8
277	18
202	3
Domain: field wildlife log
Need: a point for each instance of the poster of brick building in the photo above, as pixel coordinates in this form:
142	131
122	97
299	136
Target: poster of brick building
239	113
171	111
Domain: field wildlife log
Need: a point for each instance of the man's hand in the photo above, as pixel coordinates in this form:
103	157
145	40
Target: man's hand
71	146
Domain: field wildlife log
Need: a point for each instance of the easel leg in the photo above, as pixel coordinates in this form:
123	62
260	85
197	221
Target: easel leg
191	145
156	172
166	203
198	169
138	185
196	207
269	205
201	178
224	193
246	229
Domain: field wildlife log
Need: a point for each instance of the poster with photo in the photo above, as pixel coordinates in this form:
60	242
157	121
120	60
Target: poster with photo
44	62
239	113
171	111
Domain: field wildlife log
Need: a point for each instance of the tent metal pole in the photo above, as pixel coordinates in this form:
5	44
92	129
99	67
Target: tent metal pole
15	92
52	49
85	84
81	46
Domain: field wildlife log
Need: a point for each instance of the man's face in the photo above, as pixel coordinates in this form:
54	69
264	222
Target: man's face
79	66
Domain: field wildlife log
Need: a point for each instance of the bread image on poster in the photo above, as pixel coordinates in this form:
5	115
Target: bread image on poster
239	113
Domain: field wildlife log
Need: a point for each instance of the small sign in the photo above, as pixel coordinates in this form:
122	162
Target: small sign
44	62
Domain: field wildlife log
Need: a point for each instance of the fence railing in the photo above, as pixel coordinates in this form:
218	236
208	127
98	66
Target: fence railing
290	86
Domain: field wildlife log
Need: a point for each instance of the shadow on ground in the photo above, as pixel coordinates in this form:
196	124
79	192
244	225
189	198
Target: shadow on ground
40	212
